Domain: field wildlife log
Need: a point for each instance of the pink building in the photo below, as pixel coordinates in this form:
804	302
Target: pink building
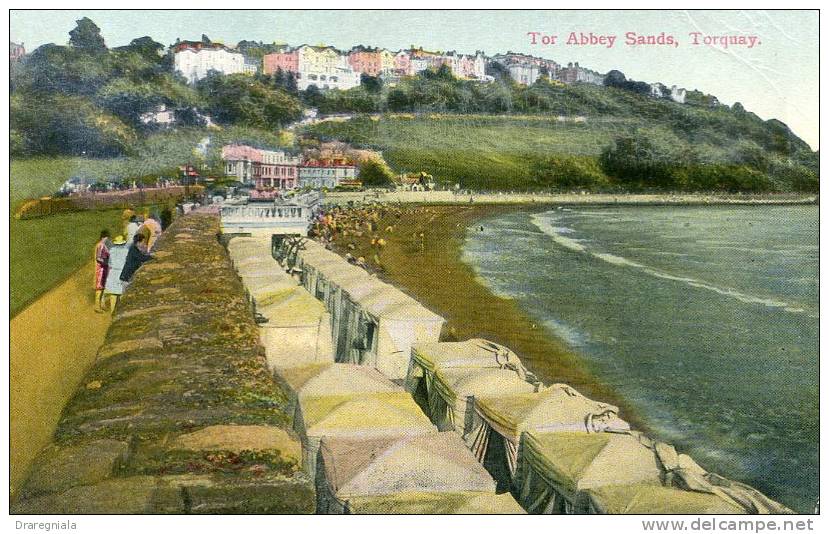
240	161
287	60
266	169
366	60
403	63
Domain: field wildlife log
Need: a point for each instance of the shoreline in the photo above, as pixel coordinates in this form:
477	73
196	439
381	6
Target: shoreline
568	199
434	273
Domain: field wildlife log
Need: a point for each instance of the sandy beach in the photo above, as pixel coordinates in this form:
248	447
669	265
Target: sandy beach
431	270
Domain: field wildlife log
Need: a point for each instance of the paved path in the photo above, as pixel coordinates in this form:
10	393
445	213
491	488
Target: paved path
53	344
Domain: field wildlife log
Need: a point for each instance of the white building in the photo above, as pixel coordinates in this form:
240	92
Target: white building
325	67
524	73
195	59
318	174
678	94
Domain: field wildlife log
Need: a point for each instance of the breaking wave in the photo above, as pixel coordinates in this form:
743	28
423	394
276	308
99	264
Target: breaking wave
554	232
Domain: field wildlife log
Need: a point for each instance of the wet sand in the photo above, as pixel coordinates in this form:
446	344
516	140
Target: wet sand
432	271
53	343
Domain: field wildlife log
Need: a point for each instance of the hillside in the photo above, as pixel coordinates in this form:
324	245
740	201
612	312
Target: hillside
590	137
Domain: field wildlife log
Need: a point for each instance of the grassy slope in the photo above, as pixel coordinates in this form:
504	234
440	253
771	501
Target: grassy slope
498	152
485	152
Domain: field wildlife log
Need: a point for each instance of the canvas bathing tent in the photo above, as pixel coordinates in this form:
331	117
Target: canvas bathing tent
555	467
269	288
366	416
424	474
452	391
426	358
297	331
652	499
496	423
339	379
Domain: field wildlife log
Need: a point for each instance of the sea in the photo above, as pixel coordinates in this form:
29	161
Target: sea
704	318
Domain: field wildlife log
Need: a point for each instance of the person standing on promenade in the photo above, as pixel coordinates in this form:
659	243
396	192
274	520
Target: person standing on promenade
135	258
101	268
132	228
151	229
117	258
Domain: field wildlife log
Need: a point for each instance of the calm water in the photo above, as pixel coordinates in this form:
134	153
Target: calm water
705	318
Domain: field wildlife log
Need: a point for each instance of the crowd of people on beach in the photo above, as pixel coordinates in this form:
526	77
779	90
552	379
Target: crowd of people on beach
118	258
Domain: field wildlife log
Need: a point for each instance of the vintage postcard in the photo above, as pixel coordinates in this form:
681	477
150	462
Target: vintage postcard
397	262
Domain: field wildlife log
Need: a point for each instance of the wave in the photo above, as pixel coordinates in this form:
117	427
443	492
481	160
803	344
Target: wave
548	229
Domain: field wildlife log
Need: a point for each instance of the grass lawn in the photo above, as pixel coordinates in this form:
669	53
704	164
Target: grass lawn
43	252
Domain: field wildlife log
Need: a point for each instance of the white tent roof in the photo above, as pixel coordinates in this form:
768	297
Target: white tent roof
345	379
360	288
434	503
376	415
408	311
459	383
558	408
654	499
471	353
436	462
296	309
573	461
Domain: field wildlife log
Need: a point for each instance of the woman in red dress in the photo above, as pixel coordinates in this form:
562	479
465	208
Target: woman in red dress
101	269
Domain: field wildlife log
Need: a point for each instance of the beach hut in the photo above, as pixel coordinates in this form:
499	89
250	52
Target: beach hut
423	474
339	379
382	327
453	391
497	422
427	358
240	245
270	288
297	332
555	467
364	415
258	267
645	498
472	353
346	317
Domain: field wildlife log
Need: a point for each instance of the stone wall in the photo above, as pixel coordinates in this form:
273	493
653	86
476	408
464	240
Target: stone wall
179	414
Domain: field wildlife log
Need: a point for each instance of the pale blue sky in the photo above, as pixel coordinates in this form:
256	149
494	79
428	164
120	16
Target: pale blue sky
777	79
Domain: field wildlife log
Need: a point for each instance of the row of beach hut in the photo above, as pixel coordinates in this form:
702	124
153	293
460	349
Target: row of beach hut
394	421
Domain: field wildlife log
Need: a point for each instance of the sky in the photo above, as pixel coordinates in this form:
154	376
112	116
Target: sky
777	78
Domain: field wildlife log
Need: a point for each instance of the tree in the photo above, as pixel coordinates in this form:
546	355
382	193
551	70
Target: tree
373	84
87	37
375	173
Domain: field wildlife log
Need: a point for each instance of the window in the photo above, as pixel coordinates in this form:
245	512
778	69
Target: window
312	76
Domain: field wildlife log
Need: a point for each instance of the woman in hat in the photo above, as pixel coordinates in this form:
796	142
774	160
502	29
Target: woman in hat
117	258
101	268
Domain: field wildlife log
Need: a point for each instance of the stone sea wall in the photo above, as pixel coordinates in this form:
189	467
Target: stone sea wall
179	414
